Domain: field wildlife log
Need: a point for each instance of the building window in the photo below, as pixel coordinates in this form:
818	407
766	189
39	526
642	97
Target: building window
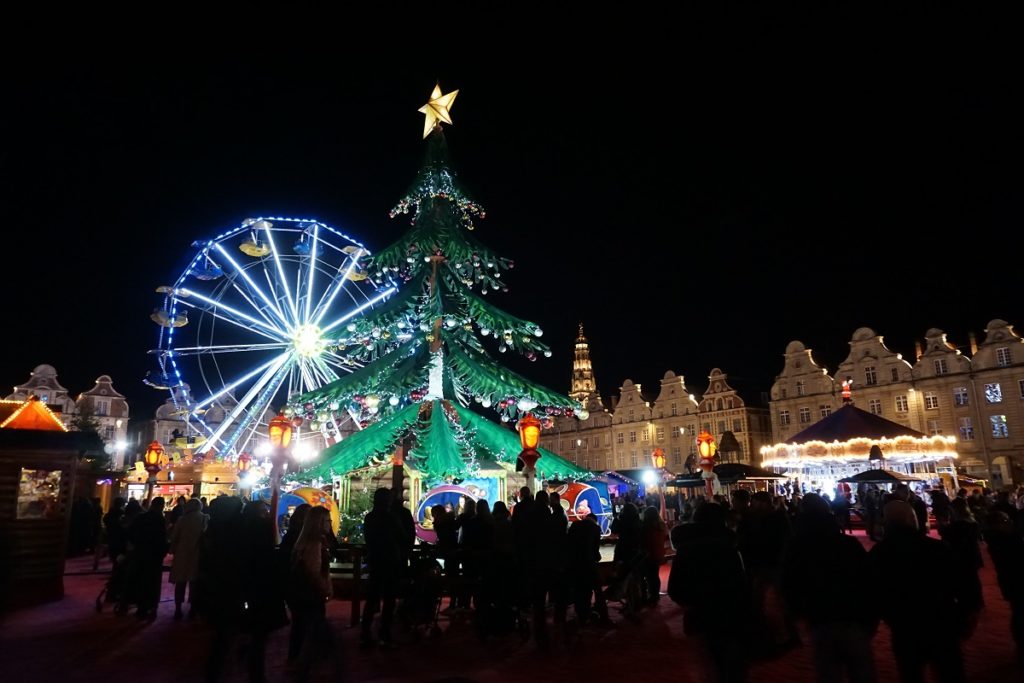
960	397
966	429
660	434
597	442
902	406
800	388
102	407
805	415
1004	357
621	460
721	427
931	400
784	393
876	406
632	459
825	410
632	437
783	417
894	374
675	408
630	414
870	378
645	436
933	427
618	438
940	366
677	456
572	445
737	426
1020	386
999	427
993	393
108	432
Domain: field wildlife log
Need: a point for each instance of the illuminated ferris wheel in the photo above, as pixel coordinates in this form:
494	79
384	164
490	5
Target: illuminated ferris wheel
256	317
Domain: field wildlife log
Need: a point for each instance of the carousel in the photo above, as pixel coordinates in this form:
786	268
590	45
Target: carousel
851	441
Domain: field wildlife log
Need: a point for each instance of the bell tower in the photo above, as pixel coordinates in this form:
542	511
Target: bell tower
583	383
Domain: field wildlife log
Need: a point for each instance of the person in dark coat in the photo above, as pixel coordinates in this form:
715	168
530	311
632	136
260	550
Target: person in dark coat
113	524
1006	548
384	536
262	590
220	599
583	554
708	580
823	583
963	535
284	562
905	557
148	542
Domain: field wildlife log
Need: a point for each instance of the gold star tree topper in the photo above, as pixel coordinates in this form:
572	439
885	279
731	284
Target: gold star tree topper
436	109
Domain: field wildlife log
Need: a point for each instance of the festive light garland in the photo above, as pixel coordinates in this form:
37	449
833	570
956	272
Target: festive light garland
901	449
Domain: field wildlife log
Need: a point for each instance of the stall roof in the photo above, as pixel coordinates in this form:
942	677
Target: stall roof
850	422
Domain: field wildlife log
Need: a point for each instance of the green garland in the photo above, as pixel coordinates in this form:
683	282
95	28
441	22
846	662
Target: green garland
443	455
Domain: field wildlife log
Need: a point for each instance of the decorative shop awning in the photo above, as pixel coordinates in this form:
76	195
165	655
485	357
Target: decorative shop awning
879	477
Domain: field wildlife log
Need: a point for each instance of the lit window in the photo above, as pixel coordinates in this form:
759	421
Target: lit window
934	428
999	427
660	434
931	400
805	415
1004	357
632	459
993	393
876	406
677	456
870	378
902	405
966	429
800	388
645	435
940	366
960	397
783	417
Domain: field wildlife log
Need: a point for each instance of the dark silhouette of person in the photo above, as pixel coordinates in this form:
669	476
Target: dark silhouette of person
963	535
823	582
147	537
384	535
654	536
220	592
80	527
905	557
708	580
583	555
1006	548
284	562
262	592
113	525
186	537
309	587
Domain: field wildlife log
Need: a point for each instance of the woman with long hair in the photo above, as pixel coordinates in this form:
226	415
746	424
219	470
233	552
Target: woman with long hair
309	585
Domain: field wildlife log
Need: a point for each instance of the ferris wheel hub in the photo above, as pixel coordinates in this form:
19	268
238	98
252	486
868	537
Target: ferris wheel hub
308	341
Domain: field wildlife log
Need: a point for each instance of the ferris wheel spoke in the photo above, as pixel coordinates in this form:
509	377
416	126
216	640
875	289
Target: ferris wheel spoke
326	369
264	388
334	288
353	313
227	348
256	288
312	271
269	368
283	278
222	311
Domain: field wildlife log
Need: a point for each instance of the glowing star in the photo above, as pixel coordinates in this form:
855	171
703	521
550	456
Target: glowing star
437	109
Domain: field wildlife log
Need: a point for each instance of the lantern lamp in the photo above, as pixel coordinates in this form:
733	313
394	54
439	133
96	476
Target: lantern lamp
658	459
244	463
152	457
706	445
280	431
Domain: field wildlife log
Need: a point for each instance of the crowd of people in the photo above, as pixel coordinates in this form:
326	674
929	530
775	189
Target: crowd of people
747	570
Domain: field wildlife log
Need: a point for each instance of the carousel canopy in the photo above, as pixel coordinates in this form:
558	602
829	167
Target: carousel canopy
846	437
879	477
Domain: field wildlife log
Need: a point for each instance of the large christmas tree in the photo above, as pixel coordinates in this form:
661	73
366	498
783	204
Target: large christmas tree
421	359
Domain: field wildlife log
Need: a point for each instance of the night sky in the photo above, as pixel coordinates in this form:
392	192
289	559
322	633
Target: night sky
695	203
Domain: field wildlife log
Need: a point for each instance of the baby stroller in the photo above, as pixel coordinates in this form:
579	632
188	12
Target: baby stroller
421	597
115	590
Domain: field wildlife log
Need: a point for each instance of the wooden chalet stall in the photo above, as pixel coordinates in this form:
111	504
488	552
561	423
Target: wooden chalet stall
38	462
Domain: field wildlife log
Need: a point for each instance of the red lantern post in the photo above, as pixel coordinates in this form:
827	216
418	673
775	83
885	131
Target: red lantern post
244	464
707	448
529	437
152	459
280	432
658	460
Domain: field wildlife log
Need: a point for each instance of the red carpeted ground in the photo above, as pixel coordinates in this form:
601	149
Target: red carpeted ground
69	641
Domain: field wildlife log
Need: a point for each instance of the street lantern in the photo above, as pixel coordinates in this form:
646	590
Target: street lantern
658	459
152	458
707	448
529	437
244	463
280	431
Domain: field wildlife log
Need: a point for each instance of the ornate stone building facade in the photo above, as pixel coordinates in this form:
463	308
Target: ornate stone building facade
102	401
622	434
979	399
